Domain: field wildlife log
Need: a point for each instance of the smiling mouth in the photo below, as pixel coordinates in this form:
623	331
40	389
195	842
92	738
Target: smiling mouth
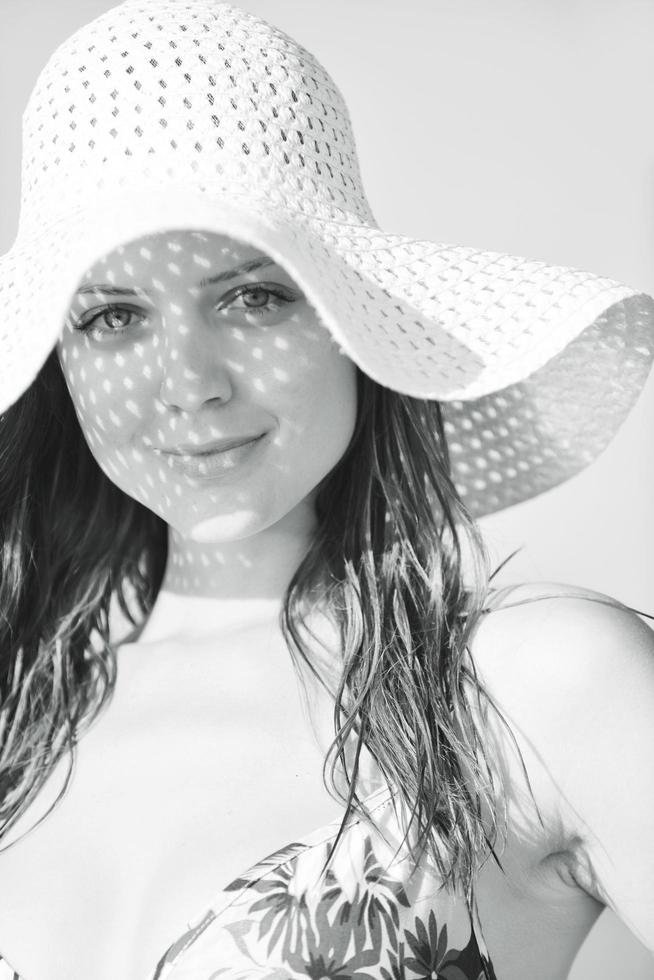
212	459
207	448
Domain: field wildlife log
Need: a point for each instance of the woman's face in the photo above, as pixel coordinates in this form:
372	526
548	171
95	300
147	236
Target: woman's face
205	386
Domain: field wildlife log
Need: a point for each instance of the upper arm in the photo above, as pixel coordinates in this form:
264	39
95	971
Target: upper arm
578	681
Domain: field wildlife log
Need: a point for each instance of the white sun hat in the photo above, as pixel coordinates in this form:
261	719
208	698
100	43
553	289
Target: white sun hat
193	114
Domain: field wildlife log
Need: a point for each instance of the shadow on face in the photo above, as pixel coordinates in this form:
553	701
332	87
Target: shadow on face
204	383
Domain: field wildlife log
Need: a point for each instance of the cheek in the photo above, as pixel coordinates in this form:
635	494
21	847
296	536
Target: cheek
113	398
319	409
113	394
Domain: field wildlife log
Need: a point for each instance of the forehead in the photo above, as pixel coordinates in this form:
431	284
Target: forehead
175	252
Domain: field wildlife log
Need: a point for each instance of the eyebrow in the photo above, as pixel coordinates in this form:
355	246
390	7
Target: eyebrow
240	270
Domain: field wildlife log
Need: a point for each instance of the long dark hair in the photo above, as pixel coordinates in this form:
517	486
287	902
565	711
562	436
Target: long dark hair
72	544
402	567
392	540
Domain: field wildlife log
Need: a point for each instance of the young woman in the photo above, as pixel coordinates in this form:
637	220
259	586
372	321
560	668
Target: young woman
245	420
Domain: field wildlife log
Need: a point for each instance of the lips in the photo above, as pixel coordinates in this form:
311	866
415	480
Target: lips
209	448
219	459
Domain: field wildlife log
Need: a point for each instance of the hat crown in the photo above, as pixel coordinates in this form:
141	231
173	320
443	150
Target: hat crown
163	90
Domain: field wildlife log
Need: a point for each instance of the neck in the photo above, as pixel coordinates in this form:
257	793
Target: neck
231	583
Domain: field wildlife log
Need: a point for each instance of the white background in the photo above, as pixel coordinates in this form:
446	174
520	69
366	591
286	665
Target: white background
524	126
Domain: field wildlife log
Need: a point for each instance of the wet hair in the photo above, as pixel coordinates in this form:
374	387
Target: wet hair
401	568
73	545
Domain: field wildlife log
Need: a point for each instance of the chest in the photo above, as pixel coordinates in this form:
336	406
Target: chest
191	776
199	766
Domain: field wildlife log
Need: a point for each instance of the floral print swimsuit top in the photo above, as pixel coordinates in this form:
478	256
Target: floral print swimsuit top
366	918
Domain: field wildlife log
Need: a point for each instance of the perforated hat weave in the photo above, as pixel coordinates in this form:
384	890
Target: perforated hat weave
195	114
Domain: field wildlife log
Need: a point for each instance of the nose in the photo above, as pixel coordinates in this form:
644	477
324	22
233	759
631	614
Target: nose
193	366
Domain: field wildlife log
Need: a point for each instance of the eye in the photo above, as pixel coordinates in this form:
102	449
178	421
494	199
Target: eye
108	321
258	299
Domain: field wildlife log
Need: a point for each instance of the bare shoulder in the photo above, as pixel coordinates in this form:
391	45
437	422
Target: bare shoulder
554	656
551	636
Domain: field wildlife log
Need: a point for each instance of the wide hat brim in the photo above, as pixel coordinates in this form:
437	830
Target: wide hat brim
536	365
